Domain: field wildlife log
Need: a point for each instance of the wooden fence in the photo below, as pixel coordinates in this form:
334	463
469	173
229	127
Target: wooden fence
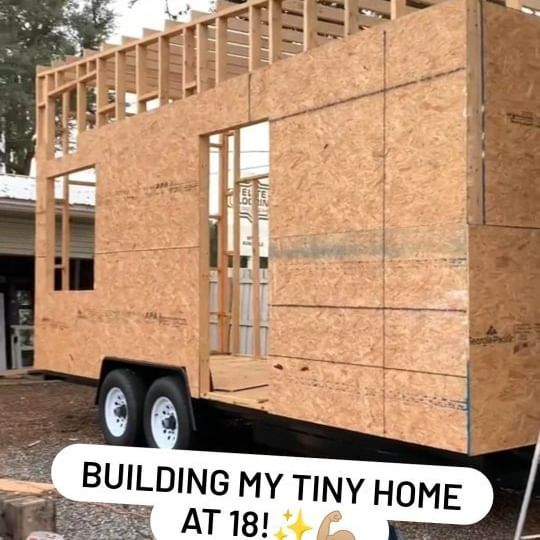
246	316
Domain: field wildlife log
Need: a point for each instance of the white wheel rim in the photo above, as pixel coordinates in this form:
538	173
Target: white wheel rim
116	412
164	423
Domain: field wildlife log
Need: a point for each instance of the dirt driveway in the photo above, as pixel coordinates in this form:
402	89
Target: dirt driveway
37	419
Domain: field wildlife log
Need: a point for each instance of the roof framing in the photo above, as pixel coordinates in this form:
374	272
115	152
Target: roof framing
188	58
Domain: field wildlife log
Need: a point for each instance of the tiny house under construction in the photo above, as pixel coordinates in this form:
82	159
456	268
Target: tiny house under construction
399	293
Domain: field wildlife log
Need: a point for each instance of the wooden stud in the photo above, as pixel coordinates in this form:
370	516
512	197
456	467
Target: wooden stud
102	94
50	120
163	70
120	85
203	73
255	42
40	114
352	23
475	128
223	256
40	89
189	83
310	24
50	228
398	8
140	76
81	99
236	245
65	233
256	269
65	123
514	4
204	265
221	49
275	19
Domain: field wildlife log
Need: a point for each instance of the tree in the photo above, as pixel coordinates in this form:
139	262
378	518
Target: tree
174	9
33	32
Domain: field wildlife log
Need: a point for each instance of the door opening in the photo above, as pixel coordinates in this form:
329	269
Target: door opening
239	185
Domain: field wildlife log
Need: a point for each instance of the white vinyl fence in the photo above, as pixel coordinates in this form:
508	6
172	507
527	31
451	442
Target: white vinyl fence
246	315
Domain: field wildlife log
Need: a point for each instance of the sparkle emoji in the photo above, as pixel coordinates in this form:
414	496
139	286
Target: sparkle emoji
299	527
280	535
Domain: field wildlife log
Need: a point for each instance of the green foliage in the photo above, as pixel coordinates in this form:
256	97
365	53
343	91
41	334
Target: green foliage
36	32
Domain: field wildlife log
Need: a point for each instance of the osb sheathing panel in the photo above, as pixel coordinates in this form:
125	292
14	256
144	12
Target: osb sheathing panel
426	409
352	336
340	254
136	312
337	156
425	156
343	269
426	267
426	44
344	396
512	117
505	337
174	218
429	341
321	76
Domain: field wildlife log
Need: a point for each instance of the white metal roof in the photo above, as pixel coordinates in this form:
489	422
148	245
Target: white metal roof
23	188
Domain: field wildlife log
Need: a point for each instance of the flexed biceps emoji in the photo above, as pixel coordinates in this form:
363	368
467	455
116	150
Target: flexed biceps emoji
324	529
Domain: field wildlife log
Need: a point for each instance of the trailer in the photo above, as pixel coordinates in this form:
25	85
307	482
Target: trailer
398	295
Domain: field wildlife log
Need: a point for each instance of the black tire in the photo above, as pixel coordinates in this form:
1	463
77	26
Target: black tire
171	387
134	391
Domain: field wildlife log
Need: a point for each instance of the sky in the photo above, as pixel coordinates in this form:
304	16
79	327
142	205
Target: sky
149	14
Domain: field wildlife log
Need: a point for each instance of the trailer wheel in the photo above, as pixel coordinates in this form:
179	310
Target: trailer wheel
121	400
167	422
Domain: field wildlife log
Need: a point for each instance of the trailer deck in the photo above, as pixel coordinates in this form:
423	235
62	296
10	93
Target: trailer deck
239	380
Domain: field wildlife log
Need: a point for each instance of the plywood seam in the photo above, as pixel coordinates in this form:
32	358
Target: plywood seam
483	110
374	308
366	229
370	94
497	225
383	299
360	364
469	404
144	250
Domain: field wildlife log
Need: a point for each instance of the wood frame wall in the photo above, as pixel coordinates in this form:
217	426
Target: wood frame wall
193	57
65	229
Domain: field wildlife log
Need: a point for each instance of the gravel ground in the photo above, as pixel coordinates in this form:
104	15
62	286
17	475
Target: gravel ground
37	419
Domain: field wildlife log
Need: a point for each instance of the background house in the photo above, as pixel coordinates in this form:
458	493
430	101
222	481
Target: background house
17	235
